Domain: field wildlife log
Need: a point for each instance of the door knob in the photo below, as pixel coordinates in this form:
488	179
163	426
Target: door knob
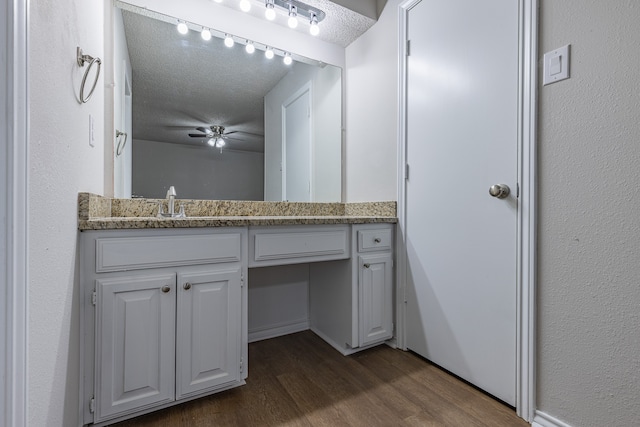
500	191
166	288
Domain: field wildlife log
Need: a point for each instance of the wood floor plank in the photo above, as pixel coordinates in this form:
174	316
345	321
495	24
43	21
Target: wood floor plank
477	404
300	381
313	402
427	398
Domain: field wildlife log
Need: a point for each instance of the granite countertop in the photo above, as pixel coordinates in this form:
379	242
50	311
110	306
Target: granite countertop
101	213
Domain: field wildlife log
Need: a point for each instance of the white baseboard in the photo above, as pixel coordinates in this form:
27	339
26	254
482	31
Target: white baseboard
272	331
542	419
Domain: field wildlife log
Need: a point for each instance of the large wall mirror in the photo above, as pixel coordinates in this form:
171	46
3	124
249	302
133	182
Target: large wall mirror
218	122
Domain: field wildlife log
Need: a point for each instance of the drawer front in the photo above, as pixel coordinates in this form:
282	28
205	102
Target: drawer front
133	253
374	240
283	247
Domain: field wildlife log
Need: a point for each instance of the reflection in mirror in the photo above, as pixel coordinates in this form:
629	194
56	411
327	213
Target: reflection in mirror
218	122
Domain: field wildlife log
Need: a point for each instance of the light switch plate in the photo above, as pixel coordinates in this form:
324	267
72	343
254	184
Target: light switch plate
556	65
92	138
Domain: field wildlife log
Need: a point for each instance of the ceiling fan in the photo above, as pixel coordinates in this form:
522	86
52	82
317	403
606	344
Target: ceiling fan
215	134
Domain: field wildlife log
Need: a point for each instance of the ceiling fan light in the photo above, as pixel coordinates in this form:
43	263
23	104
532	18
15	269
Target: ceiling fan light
245	5
268	53
205	34
250	48
211	142
182	28
220	142
228	40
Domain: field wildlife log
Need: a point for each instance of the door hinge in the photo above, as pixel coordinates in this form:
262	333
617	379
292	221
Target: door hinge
241	364
406	171
94	298
517	190
92	405
242	280
408	47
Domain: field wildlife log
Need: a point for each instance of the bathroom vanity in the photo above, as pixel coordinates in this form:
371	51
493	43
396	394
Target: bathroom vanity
164	301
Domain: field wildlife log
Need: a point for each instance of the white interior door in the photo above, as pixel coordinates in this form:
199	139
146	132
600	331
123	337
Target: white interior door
297	147
462	103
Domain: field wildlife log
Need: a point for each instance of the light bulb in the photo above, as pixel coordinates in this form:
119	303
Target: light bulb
205	34
228	41
245	5
268	53
293	16
220	142
287	59
314	30
211	142
270	13
182	28
250	48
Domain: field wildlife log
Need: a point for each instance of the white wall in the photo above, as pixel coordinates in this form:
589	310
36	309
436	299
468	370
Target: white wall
61	164
589	231
327	135
4	233
372	111
326	151
278	300
197	172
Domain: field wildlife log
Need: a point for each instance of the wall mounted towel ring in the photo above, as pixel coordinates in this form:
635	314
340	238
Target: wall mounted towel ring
91	60
121	141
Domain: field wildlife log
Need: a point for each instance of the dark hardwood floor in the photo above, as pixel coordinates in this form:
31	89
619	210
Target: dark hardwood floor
299	380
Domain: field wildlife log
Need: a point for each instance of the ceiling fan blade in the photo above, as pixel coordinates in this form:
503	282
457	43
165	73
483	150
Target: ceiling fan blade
204	130
245	132
198	135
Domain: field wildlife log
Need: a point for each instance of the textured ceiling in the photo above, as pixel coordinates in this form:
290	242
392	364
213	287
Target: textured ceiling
183	82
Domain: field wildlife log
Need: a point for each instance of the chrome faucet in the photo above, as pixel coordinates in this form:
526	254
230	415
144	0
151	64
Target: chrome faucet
171	206
171	203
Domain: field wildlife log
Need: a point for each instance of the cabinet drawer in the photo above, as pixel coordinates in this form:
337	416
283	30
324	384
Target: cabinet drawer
374	240
290	246
133	253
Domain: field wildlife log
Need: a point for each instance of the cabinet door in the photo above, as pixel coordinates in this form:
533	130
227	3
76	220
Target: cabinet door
208	330
375	298
135	343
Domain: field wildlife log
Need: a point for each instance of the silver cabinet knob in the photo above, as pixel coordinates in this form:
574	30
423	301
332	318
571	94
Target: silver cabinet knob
166	288
500	191
366	265
377	240
187	286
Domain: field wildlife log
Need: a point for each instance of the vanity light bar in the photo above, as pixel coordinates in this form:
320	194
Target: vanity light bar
198	28
302	10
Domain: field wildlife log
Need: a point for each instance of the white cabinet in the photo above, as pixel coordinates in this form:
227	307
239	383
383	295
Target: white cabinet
164	311
351	301
164	318
135	343
375	309
208	330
